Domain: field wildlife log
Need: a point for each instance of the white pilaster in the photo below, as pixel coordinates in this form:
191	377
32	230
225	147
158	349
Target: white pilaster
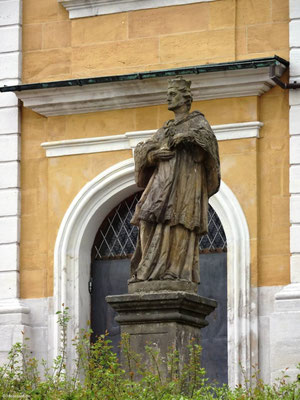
294	9
295	138
13	313
9	256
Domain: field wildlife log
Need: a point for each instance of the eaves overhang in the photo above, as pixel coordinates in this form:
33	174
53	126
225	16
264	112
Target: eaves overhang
210	81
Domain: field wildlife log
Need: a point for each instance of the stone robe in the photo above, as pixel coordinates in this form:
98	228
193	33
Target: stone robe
173	210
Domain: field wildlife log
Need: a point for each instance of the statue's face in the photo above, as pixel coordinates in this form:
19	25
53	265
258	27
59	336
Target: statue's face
175	98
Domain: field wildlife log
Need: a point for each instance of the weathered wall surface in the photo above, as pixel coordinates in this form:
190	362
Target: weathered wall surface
56	48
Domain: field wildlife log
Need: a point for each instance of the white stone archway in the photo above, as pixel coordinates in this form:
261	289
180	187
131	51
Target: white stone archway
72	260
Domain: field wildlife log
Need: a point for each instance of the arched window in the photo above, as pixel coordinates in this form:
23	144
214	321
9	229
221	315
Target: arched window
116	237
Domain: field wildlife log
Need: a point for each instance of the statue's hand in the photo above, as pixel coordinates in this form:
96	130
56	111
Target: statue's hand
179	137
163	154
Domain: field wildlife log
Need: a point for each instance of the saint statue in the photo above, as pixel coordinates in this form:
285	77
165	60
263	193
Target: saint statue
179	168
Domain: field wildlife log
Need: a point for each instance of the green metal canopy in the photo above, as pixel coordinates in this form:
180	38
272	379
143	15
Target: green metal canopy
197	69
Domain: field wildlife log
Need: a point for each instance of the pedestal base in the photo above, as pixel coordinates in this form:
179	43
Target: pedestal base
167	320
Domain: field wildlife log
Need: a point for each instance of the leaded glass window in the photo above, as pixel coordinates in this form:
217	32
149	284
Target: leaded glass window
117	238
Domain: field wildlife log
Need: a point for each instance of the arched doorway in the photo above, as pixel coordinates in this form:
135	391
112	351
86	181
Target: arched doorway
110	266
72	262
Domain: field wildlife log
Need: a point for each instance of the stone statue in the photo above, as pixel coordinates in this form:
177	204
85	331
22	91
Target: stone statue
179	168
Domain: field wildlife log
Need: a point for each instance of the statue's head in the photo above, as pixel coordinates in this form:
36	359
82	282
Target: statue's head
179	93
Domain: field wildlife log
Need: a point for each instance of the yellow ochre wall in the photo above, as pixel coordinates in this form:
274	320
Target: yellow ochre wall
256	170
55	47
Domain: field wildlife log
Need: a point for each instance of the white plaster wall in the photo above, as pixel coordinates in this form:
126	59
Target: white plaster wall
40	327
285	329
37	319
278	333
266	303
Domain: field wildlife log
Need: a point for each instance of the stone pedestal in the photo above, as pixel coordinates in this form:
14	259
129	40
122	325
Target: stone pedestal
165	319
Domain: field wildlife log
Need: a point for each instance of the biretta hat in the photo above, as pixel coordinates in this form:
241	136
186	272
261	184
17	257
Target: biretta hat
179	83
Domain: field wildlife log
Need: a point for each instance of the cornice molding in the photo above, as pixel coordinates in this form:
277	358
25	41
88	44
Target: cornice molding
130	139
88	8
145	92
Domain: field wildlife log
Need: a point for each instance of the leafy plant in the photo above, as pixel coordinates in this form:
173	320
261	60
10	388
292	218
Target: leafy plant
98	374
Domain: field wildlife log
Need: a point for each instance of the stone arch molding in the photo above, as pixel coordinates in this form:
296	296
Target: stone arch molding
76	236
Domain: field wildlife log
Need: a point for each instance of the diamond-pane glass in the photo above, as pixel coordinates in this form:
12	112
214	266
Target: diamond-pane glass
215	240
117	238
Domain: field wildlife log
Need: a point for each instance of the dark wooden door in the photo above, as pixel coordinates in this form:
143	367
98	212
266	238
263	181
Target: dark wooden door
110	277
110	268
213	277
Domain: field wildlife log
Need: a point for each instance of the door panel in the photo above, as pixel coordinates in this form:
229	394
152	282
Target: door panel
213	278
110	277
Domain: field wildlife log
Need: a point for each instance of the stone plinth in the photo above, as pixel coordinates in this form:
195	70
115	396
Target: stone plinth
165	319
162	286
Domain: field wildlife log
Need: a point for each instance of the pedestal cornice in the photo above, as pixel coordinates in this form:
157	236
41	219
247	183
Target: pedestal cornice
145	308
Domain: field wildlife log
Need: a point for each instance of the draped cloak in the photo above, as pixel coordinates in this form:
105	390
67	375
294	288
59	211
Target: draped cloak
173	210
